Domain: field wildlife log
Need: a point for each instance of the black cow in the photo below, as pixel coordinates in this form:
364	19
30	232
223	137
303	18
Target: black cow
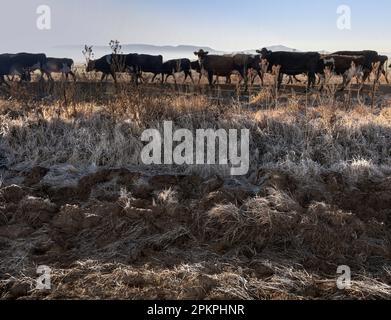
169	68
215	65
346	66
139	63
370	57
109	64
58	65
195	66
20	64
293	64
243	63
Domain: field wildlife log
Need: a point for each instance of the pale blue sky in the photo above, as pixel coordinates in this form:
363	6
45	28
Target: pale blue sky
222	24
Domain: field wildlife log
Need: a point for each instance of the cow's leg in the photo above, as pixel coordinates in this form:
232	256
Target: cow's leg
297	80
25	76
321	81
2	81
385	76
367	75
344	79
155	75
42	77
261	75
73	75
168	75
136	77
43	74
321	78
199	78
5	82
311	80
191	77
210	78
344	82
378	75
21	78
114	76
103	77
140	76
253	77
280	78
173	75
315	81
250	76
244	75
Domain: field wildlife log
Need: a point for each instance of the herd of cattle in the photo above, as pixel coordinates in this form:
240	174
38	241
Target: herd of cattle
348	64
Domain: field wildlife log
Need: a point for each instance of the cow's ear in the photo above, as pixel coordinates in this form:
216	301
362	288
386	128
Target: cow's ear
207	52
195	53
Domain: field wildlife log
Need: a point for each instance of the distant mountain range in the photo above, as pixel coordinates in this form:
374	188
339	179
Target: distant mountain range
168	52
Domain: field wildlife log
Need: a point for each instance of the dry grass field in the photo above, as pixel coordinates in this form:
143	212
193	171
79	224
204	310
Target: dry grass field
74	195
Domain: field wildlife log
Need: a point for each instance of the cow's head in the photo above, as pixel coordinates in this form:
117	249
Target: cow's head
383	59
69	62
201	53
90	66
264	53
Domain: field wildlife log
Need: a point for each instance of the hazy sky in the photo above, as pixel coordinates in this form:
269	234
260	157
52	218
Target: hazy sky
222	24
